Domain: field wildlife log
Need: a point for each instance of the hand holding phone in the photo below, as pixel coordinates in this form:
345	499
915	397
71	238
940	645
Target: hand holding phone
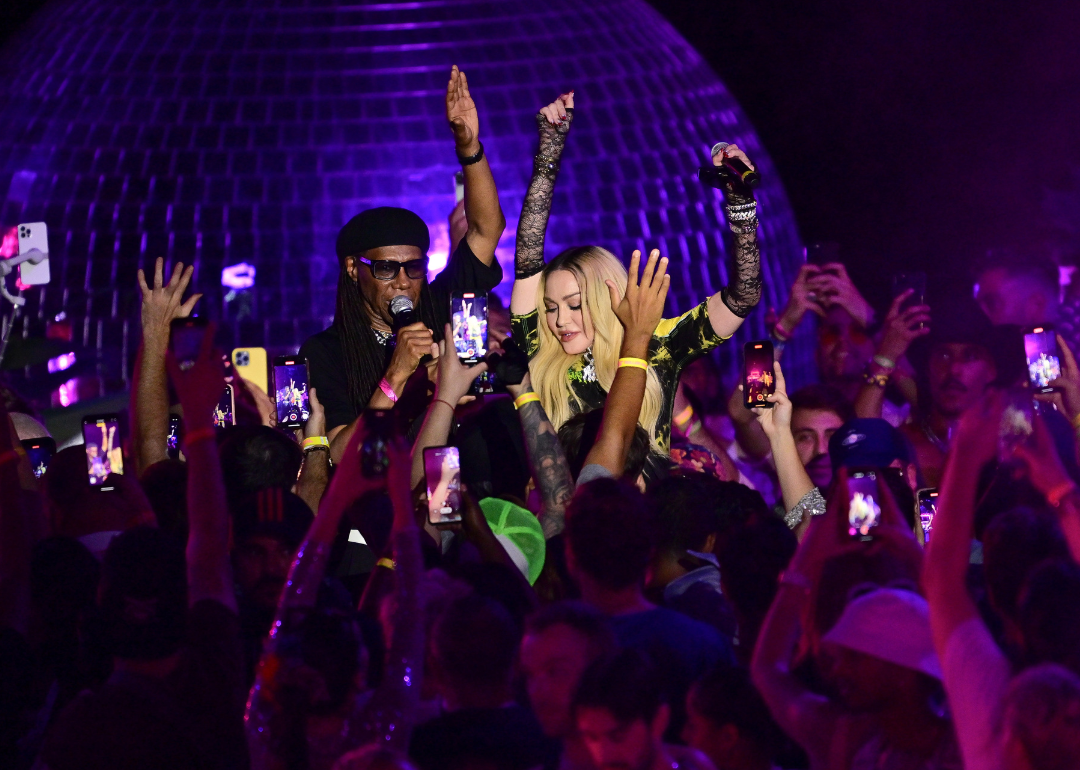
927	500
1043	358
40	451
185	339
759	375
864	509
442	474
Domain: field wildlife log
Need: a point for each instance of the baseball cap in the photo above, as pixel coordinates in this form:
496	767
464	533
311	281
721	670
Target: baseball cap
273	512
867	442
519	532
890	624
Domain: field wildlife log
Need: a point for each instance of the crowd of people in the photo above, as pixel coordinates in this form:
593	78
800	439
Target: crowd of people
642	572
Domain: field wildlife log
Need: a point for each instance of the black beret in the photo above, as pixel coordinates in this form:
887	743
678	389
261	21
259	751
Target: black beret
383	226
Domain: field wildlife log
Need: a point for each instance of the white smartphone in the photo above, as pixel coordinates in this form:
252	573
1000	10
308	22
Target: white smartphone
34	235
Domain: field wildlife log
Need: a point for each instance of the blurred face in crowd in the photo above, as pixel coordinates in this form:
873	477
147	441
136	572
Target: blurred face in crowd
812	429
566	313
702	378
1009	299
863	682
701	733
260	567
959	374
843	346
614	745
378	293
553	661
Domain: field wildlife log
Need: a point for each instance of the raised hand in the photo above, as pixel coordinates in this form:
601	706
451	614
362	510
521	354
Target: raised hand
163	303
803	299
316	424
413	343
1067	396
732	151
556	112
903	326
200	386
640	308
833	286
776	420
461	112
455	378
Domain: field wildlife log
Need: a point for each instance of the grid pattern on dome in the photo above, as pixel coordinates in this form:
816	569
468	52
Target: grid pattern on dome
223	131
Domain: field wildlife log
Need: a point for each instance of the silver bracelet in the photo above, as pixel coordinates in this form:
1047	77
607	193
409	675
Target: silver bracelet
812	503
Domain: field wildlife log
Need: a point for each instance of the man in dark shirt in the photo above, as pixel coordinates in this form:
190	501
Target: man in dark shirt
359	362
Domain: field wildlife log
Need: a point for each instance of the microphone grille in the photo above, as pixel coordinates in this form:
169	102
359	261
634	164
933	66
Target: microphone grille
717	147
400	304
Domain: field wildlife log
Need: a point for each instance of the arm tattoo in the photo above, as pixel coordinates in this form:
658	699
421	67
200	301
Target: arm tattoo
745	290
535	209
549	466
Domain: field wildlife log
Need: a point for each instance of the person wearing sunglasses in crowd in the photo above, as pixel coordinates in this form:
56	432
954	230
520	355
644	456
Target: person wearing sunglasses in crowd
359	362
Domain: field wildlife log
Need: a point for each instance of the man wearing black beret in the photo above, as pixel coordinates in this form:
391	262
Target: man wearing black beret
359	362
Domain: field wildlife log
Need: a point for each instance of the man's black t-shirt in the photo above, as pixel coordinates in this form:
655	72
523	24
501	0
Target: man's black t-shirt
463	273
507	738
191	718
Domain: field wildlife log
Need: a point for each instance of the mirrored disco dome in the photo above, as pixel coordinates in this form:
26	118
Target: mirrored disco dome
242	131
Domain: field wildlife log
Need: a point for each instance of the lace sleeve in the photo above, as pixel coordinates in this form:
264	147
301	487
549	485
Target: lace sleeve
529	252
744	291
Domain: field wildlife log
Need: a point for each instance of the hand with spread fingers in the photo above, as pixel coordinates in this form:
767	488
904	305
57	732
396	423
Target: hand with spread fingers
164	302
640	308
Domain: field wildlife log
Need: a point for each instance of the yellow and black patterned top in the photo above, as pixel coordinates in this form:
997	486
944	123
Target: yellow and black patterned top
676	343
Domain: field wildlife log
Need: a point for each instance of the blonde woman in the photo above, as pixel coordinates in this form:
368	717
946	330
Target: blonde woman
561	312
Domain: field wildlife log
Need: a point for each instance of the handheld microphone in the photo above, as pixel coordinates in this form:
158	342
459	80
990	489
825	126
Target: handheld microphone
403	312
749	177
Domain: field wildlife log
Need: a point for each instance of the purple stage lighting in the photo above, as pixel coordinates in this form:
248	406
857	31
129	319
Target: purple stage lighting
223	132
238	277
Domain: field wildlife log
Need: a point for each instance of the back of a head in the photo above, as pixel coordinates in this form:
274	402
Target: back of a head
63	580
847	574
588	622
1037	269
165	485
578	435
1014	543
77	509
825	398
329	642
726	696
498	582
690	507
143	597
374	758
474	642
1041	711
257	457
610	533
1049	614
626	684
751	561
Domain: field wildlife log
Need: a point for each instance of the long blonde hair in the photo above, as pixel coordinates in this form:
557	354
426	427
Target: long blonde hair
549	368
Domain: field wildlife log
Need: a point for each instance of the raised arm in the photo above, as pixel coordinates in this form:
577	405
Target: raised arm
639	312
730	306
482	209
16	532
315	471
801	498
554	122
208	565
902	327
150	405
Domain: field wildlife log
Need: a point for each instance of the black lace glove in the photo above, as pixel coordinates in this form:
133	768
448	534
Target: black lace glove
535	209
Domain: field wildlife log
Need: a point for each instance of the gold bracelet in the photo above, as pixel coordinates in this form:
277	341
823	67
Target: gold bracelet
526	398
636	363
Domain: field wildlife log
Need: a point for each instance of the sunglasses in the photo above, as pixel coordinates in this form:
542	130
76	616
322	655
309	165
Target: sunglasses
387	269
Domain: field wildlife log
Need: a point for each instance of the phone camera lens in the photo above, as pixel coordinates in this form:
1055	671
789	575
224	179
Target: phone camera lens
242	359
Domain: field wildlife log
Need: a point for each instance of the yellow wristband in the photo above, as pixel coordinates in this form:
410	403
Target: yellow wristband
1076	422
637	363
385	562
525	398
684	416
315	441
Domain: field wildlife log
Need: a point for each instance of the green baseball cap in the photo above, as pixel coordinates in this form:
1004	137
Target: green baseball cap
518	530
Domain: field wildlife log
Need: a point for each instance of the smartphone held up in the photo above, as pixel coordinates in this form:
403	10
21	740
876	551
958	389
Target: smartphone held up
759	375
102	444
1043	358
291	391
442	475
864	511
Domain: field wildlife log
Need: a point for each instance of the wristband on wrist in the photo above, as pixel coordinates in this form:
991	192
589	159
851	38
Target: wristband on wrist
780	332
884	362
1058	493
388	390
525	398
315	442
636	363
684	416
471	159
199	434
386	562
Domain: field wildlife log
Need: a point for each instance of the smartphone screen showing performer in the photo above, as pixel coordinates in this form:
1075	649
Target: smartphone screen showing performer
40	451
101	442
172	442
185	339
759	379
1043	358
1017	423
225	411
469	314
927	501
380	428
291	391
442	474
864	513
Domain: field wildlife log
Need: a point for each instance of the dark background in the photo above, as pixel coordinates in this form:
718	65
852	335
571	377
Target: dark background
918	133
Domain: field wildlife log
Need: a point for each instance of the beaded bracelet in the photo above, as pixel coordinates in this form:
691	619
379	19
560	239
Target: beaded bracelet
879	380
636	363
